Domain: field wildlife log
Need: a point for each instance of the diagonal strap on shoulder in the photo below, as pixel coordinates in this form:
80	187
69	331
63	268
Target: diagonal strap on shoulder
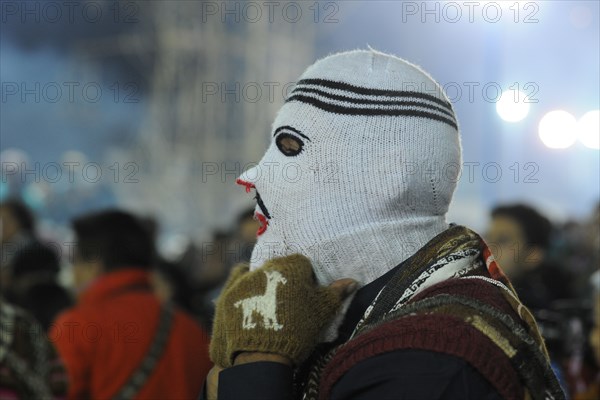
140	376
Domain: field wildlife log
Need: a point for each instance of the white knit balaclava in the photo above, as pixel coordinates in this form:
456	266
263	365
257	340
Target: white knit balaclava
364	158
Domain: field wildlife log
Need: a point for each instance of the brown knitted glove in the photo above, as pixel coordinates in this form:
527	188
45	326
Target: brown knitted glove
277	308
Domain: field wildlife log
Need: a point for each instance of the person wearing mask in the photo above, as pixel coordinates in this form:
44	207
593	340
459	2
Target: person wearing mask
357	287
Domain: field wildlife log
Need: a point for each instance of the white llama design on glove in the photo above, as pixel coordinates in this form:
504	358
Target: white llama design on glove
264	305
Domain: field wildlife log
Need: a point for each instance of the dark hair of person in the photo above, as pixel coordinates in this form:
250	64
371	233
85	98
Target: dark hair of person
35	257
117	238
45	301
21	213
535	226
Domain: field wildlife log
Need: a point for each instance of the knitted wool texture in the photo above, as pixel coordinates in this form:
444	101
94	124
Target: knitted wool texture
378	160
278	309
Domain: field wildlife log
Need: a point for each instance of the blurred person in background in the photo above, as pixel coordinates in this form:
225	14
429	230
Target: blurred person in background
209	260
578	246
34	283
592	392
171	284
169	279
244	237
226	249
30	272
122	341
29	365
519	237
17	229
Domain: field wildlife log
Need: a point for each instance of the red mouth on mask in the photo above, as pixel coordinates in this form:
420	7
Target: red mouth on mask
263	219
264	222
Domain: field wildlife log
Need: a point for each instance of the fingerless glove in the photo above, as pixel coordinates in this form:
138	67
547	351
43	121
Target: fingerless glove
278	308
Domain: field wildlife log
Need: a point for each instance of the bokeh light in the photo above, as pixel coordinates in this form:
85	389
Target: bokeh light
588	129
558	129
512	106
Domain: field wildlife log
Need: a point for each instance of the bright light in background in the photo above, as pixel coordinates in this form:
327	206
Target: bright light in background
588	129
558	129
512	107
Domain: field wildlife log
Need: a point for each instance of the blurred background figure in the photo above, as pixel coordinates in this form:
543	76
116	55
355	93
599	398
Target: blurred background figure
34	285
170	283
169	278
595	332
29	365
577	244
31	270
125	342
592	390
245	235
520	237
550	267
16	230
211	262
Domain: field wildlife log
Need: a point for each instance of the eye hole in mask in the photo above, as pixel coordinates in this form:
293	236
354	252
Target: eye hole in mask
289	144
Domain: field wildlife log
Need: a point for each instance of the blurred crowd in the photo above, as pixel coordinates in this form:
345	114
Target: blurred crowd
553	267
555	271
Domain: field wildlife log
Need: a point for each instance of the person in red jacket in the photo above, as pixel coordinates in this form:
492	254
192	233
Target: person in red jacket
121	341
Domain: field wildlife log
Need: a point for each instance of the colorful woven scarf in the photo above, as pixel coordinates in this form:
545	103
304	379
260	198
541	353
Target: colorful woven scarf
428	286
